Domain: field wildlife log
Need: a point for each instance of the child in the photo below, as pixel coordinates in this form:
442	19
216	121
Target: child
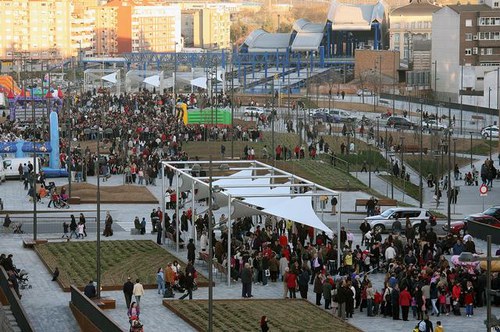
442	303
438	328
414	306
81	230
65	230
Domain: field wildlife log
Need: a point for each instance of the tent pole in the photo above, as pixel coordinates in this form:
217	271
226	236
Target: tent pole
177	211
229	241
315	200
162	222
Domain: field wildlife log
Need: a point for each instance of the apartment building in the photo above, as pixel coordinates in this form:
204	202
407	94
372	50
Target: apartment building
134	26
206	25
409	23
466	49
42	28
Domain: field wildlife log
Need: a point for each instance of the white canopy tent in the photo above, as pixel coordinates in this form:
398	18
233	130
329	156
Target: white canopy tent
252	190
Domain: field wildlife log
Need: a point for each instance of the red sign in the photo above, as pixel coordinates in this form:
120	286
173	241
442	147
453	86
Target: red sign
483	189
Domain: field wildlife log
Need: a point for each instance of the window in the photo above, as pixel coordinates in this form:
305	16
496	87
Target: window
468	36
474	50
396	38
489	51
495	4
468	22
468	51
482	51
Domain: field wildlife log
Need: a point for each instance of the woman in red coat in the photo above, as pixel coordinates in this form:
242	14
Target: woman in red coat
405	302
291	283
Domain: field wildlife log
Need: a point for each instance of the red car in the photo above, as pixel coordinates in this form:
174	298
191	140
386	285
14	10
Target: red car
489	217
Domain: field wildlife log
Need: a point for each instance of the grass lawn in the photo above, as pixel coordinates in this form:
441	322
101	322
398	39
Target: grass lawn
245	315
119	259
435	165
409	188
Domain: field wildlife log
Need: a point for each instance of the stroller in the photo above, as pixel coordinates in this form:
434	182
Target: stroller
18	228
23	280
136	326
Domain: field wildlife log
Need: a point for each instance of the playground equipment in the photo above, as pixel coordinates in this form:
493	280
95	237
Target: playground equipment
23	149
9	86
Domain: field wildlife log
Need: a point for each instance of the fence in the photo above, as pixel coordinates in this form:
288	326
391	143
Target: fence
14	302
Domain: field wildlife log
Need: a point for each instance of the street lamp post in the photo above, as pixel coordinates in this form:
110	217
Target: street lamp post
420	189
98	201
35	164
210	247
402	147
471	148
449	164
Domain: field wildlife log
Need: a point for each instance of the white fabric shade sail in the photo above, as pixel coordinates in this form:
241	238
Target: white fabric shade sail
112	78
153	80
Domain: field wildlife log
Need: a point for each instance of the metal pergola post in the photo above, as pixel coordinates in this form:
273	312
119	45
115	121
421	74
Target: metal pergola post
228	258
177	229
163	203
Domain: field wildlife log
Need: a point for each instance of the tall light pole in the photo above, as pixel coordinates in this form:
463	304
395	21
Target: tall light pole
420	189
449	164
435	63
471	148
98	203
210	247
35	164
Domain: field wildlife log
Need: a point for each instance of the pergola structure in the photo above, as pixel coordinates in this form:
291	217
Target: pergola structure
248	188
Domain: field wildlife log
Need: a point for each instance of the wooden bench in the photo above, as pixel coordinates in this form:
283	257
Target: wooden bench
105	303
381	202
74	200
30	243
413	149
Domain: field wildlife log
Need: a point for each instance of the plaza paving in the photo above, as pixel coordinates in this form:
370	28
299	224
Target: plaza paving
48	307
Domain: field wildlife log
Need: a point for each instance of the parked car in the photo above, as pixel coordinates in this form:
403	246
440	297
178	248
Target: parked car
433	125
490	131
364	92
384	221
342	116
456	227
400	122
252	111
489	217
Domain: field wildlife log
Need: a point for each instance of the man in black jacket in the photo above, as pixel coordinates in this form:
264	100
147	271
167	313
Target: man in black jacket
90	290
365	228
128	289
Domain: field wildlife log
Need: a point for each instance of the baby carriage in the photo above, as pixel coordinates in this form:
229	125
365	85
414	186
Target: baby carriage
17	228
59	201
23	280
136	326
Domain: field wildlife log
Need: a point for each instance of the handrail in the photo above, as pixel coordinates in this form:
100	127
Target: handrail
15	303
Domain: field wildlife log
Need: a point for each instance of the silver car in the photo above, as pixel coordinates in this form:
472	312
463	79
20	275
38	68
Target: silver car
383	222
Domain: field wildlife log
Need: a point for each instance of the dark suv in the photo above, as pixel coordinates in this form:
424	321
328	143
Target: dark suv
400	122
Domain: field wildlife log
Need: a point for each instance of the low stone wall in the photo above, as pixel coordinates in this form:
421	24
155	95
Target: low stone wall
7	321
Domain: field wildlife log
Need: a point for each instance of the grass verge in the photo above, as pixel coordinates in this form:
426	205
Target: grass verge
245	315
119	260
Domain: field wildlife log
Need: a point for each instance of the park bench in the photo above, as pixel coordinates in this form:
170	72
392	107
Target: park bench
74	200
30	243
381	202
413	149
105	303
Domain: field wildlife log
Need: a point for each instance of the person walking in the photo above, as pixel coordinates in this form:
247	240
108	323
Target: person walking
191	254
334	202
73	227
246	281
83	221
189	283
160	280
128	290
138	291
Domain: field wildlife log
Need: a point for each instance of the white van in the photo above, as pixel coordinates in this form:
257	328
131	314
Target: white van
2	171
11	166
